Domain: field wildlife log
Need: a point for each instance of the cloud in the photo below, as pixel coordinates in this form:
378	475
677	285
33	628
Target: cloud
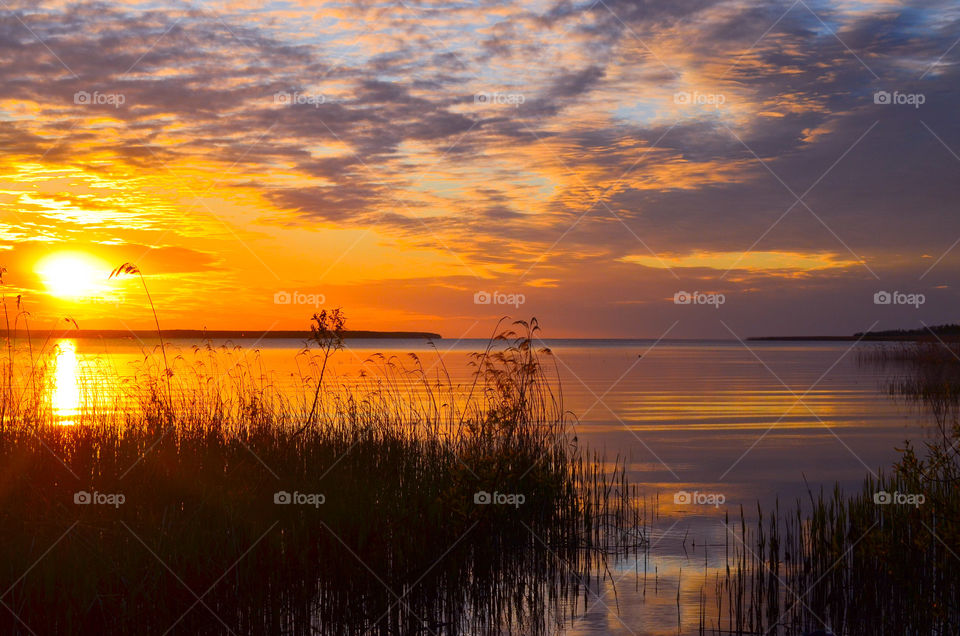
598	161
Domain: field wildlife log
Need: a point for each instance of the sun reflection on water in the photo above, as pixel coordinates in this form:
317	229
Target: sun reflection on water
65	394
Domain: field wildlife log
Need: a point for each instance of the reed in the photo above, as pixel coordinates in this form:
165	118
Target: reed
881	560
205	543
131	269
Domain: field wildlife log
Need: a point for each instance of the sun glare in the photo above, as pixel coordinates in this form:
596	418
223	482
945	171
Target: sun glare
65	396
72	275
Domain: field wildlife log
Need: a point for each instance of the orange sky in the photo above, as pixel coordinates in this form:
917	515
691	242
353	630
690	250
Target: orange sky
581	163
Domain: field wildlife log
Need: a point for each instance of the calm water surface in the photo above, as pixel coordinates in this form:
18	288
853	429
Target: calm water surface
741	425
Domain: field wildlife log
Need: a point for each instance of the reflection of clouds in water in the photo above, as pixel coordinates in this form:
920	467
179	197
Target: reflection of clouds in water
702	408
65	396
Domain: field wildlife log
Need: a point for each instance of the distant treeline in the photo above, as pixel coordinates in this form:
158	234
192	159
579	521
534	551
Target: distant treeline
204	334
944	332
896	334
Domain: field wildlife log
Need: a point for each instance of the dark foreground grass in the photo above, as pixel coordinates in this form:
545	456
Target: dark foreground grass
882	560
244	513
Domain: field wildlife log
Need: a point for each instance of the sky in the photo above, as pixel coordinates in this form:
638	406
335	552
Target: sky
675	168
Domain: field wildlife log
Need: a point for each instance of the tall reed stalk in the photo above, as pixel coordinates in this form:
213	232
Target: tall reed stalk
879	560
402	543
130	268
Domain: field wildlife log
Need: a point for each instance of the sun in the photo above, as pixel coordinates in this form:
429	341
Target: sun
72	275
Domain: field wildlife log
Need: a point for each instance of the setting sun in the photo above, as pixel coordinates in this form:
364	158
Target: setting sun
72	275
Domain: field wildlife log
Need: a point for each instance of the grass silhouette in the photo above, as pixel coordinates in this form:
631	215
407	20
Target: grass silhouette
352	505
877	560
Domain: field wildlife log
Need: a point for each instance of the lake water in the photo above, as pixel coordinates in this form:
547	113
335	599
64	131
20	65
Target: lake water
723	423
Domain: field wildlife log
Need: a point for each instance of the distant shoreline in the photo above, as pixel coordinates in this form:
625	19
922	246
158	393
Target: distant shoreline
835	338
948	333
219	334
